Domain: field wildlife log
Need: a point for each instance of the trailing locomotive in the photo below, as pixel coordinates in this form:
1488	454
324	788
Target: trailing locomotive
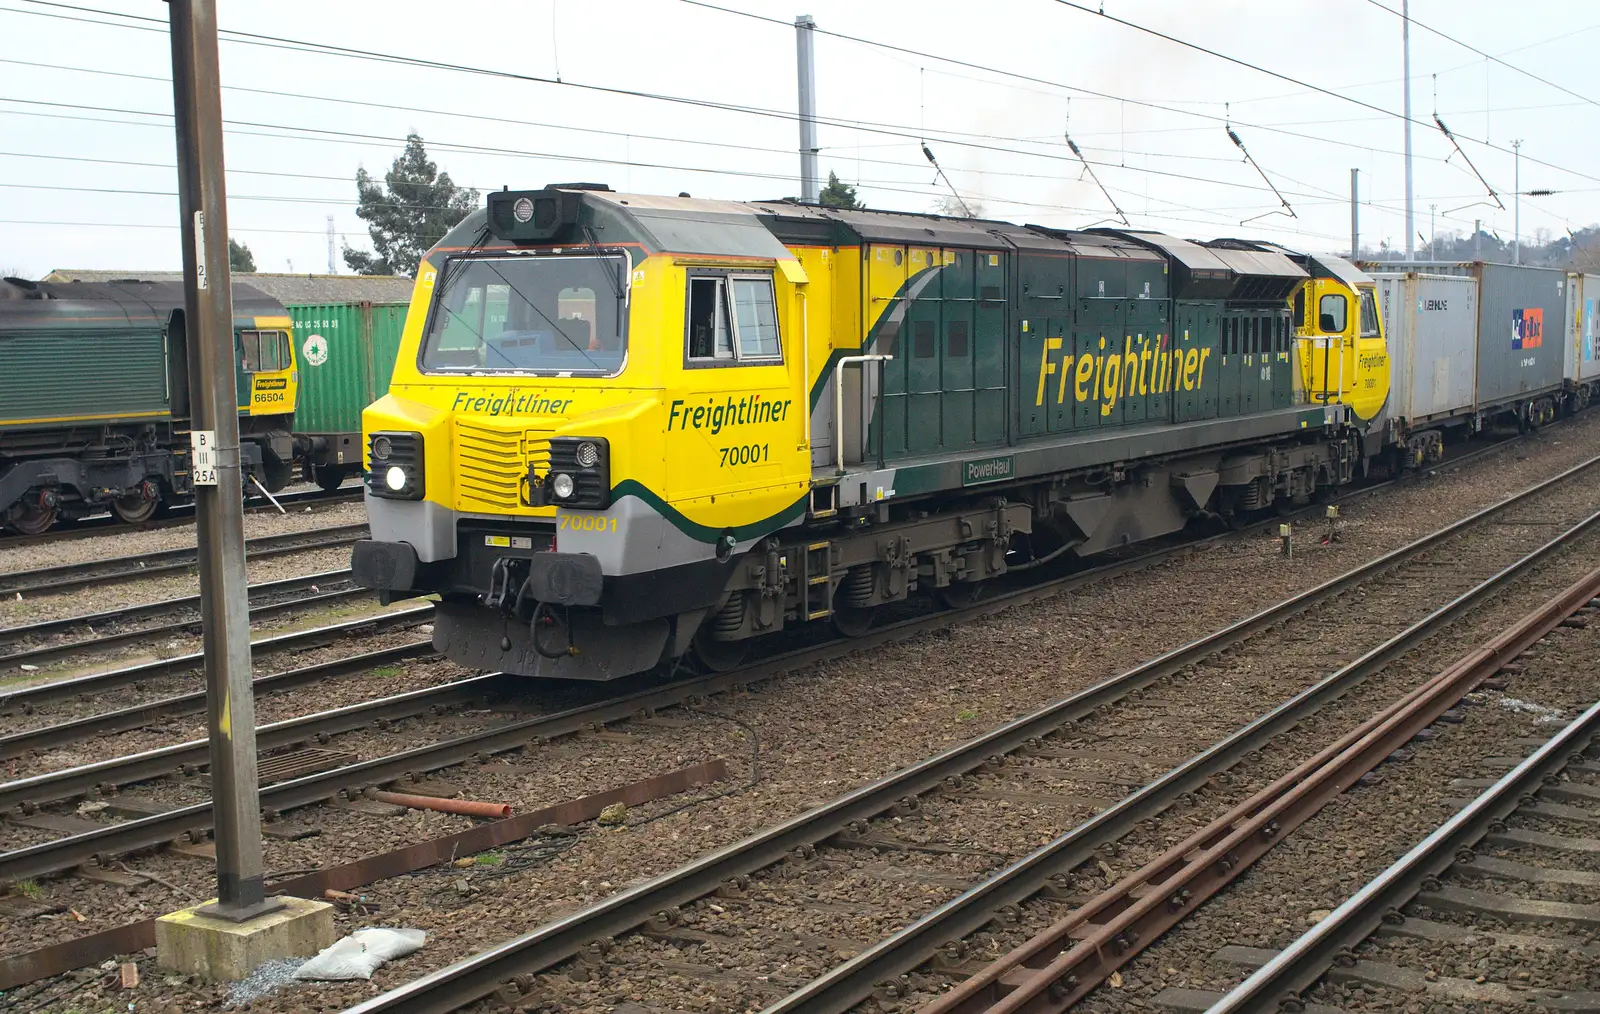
625	428
94	398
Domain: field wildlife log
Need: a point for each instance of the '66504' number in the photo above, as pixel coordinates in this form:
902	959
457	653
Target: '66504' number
744	454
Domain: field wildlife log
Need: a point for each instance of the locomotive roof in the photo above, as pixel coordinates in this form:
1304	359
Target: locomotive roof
848	226
286	288
134	303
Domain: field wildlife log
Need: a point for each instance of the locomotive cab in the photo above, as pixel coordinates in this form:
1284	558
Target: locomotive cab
1343	353
593	392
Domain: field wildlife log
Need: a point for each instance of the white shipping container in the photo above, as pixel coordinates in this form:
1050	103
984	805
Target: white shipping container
1431	322
1581	356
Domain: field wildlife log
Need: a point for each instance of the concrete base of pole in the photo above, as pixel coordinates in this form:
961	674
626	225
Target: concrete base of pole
221	950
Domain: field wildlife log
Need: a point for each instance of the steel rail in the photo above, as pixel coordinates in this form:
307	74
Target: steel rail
1064	962
137	716
48	580
90	645
104	776
178	515
145	609
27	697
1304	961
474	977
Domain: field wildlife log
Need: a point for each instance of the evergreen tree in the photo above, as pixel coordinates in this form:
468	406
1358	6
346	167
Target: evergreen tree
838	195
413	209
239	257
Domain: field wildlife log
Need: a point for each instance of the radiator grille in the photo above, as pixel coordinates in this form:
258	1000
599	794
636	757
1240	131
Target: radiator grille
492	466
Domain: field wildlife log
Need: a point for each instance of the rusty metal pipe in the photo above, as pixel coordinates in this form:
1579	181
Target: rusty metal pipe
465	807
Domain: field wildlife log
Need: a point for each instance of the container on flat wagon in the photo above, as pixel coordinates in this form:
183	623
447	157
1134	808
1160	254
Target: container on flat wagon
1431	321
1520	310
347	355
1582	329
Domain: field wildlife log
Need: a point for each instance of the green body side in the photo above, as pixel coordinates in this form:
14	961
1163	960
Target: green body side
944	392
356	343
118	374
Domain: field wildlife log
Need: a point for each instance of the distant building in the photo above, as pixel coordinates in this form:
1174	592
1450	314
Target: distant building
290	290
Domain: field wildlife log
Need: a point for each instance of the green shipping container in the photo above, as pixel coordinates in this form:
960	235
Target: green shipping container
346	354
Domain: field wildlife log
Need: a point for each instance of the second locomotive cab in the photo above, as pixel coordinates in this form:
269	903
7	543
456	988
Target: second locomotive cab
76	440
626	429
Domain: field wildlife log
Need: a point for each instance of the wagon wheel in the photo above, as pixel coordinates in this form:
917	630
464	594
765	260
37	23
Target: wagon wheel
134	509
718	656
849	622
329	477
34	520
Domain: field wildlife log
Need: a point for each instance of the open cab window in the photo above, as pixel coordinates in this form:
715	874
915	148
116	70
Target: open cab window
732	319
523	314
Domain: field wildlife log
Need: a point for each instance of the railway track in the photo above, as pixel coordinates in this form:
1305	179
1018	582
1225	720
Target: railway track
268	599
177	517
828	853
1434	898
69	577
516	734
26	699
103	777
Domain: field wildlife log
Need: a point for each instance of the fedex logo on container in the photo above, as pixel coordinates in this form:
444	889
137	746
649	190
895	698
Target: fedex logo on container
1527	328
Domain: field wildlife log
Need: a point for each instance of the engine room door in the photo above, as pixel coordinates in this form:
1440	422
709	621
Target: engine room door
1230	364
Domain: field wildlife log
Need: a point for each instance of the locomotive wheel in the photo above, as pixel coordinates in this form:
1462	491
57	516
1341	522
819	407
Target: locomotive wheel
35	520
134	509
719	656
959	595
329	477
848	622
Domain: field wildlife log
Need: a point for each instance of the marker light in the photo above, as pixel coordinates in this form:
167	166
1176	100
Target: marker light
523	209
382	447
563	486
588	454
395	478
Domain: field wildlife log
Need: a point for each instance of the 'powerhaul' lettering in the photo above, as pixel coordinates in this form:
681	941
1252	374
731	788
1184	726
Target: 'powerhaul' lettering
746	411
510	403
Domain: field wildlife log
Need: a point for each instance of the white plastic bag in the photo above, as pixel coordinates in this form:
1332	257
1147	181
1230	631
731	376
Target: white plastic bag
359	954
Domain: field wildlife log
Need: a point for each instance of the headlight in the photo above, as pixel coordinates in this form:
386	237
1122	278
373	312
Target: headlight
397	465
577	475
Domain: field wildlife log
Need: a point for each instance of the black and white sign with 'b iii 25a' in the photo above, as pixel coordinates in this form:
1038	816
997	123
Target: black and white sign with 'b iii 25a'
204	445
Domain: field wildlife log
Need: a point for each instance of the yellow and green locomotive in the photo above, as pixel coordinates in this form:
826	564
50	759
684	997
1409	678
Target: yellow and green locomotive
94	397
623	429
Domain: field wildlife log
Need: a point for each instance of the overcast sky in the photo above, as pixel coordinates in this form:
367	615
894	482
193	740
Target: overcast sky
96	97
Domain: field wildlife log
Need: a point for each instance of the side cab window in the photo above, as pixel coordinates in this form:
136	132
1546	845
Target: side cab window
1369	314
1332	311
732	320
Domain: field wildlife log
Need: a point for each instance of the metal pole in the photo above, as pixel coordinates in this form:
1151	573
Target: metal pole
805	60
1477	239
1516	216
1405	36
1433	237
219	494
1355	216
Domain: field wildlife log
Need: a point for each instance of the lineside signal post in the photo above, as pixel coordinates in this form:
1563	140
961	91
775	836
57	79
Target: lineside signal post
228	937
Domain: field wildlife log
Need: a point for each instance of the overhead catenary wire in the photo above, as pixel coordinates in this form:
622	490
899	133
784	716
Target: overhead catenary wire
156	25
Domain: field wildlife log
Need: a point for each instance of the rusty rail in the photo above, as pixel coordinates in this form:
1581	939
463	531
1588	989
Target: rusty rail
1060	965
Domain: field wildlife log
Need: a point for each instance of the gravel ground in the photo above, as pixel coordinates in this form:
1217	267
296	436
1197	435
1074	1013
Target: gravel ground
100	547
920	696
1332	855
34	608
